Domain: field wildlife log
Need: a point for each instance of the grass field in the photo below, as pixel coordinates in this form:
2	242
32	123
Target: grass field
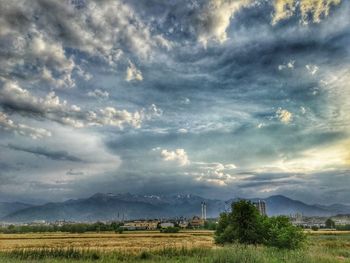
188	246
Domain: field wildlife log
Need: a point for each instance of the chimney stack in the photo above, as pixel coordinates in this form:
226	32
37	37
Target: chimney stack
202	210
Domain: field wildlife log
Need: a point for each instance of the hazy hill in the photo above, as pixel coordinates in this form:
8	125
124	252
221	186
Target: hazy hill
129	206
279	204
114	207
7	208
336	208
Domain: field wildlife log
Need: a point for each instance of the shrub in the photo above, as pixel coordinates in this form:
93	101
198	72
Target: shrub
245	225
281	233
314	228
145	255
119	230
330	223
210	225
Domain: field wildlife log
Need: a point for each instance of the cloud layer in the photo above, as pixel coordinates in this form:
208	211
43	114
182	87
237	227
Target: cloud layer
220	98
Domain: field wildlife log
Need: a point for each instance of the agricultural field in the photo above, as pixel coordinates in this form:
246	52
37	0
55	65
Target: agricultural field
186	246
131	242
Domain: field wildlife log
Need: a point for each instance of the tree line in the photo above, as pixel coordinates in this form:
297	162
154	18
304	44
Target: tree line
70	228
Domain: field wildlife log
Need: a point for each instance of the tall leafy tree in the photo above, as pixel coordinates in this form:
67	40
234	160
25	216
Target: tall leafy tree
245	225
330	223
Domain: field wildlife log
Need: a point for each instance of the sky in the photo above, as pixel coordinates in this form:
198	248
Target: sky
217	98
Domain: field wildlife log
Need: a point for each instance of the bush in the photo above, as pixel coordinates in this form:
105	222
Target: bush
314	228
245	225
281	233
119	230
210	225
330	223
145	255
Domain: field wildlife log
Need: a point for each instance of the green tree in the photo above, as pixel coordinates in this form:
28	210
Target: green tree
119	230
330	223
245	225
282	233
210	225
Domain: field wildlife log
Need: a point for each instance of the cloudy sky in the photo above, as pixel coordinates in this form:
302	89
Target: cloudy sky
219	98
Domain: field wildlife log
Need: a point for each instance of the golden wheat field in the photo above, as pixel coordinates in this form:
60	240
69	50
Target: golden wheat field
148	246
128	241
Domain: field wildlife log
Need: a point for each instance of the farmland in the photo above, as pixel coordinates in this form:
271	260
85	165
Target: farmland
132	242
186	246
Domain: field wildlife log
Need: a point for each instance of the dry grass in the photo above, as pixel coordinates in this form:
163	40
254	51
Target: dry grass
129	241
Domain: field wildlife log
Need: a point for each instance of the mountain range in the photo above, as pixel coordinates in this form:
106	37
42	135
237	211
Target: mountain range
129	206
8	207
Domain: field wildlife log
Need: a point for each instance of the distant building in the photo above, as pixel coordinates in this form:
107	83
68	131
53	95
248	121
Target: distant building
196	221
341	220
39	223
261	206
141	225
166	224
183	224
204	210
307	221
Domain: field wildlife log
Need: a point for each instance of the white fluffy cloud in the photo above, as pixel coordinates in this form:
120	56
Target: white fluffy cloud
312	69
39	35
213	173
284	115
213	20
314	8
22	129
20	100
99	94
179	156
132	73
208	172
114	117
51	107
288	65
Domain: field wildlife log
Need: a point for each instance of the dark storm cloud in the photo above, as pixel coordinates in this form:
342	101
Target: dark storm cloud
50	154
